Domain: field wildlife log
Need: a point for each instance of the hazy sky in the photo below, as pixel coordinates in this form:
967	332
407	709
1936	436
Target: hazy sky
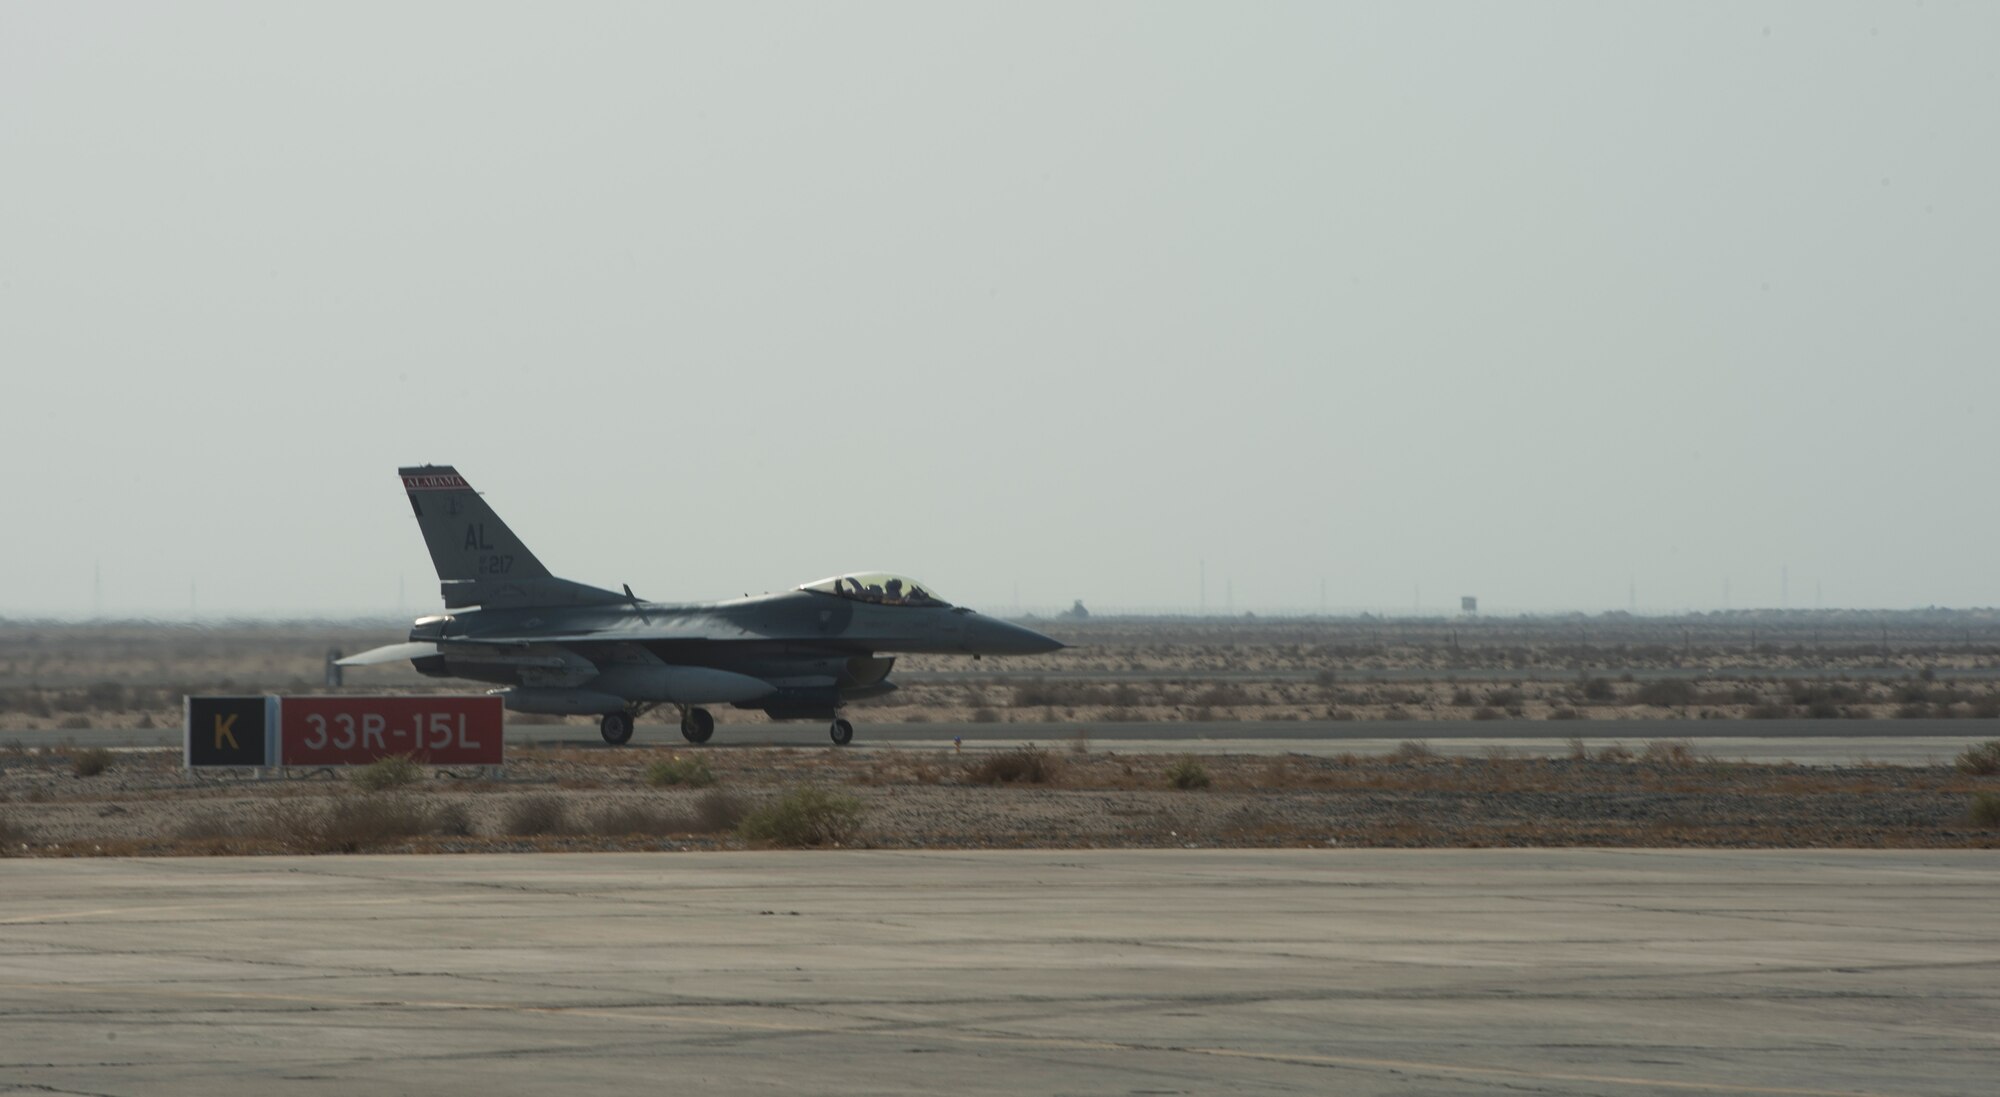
1530	301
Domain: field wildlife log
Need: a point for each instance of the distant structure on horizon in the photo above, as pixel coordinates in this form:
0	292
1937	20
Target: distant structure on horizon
1076	611
1469	606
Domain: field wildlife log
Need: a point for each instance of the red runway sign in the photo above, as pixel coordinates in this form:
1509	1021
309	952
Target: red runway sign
352	731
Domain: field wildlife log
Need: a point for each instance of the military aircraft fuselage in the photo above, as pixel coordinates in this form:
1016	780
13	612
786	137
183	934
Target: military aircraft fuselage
564	647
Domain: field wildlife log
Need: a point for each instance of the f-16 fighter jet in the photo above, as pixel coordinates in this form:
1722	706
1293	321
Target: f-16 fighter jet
563	647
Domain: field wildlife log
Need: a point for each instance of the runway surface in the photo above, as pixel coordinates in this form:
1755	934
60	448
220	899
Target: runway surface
1570	972
1809	742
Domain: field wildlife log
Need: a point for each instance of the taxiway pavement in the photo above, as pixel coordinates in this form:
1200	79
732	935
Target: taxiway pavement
1571	972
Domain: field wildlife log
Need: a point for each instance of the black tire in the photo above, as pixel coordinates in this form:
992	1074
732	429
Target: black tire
842	732
616	727
697	726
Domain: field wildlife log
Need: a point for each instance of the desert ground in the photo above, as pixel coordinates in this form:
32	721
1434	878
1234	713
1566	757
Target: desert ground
75	798
88	802
1827	665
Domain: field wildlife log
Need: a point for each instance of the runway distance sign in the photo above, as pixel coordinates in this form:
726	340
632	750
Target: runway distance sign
354	731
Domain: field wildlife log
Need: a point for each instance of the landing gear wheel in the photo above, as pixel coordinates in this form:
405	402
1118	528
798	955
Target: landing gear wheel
842	732
697	725
616	728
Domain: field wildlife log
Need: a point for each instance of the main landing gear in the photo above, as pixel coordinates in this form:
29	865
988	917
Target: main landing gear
841	731
616	728
697	725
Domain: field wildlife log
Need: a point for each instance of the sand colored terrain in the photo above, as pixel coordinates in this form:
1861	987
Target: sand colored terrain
1074	796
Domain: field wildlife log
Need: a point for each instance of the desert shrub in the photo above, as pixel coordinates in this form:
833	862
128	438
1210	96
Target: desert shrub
12	834
1665	693
1910	693
1079	743
1983	759
1187	772
111	696
1463	698
719	810
1027	765
1579	751
1985	810
1669	752
361	823
206	825
651	820
1564	712
1069	694
691	770
984	715
1987	706
1486	712
1808	693
1771	711
805	816
91	762
1414	750
1506	698
1616	752
1599	689
1223	695
541	813
451	819
383	774
74	723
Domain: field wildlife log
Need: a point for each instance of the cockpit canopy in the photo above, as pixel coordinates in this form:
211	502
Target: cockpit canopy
878	587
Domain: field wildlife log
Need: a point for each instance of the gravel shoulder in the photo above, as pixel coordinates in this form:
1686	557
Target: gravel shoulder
599	799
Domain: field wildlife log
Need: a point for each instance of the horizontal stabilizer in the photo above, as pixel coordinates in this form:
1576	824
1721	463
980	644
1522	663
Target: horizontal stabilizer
392	653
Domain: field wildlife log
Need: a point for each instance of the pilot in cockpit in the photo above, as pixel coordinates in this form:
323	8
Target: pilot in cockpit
895	590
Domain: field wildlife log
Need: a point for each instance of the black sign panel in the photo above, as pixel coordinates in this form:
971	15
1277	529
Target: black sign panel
225	731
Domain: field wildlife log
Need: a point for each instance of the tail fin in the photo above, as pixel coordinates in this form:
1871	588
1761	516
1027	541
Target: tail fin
479	560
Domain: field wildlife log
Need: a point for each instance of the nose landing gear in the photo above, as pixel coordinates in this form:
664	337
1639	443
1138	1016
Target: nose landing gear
842	732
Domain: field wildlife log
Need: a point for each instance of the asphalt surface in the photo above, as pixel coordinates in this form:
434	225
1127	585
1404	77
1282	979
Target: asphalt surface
1570	972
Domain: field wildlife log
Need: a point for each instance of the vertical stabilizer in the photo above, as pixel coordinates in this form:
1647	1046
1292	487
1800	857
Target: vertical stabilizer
479	560
467	540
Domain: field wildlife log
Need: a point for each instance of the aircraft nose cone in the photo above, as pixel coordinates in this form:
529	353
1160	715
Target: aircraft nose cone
1000	638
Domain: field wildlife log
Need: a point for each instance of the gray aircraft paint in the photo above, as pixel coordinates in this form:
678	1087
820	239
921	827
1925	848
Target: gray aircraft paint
564	647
